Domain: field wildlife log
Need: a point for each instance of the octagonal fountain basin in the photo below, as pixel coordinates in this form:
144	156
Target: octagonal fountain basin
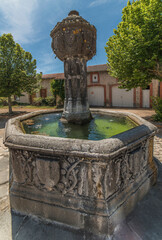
91	185
102	126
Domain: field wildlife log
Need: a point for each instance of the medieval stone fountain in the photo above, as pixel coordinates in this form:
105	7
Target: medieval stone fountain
84	184
74	42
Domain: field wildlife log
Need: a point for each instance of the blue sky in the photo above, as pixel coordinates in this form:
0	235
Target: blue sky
30	22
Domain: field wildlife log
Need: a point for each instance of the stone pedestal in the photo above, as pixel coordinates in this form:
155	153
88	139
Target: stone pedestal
76	107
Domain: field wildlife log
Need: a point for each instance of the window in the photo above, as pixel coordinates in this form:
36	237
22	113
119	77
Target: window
95	78
43	93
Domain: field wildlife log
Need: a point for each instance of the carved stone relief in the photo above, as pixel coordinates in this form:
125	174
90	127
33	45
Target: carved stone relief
22	166
47	172
69	179
112	178
98	172
80	176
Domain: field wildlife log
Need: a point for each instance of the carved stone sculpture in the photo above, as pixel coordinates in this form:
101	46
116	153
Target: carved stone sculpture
74	42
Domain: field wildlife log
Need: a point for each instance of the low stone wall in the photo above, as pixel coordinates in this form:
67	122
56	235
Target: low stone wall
91	185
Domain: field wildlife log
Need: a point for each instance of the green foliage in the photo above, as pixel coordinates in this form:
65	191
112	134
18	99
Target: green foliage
134	52
60	103
48	101
37	101
57	88
17	69
3	101
157	106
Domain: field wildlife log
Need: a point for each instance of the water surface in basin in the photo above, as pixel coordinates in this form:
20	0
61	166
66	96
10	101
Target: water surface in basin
100	127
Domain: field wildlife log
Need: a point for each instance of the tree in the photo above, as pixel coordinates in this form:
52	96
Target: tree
134	52
17	70
57	88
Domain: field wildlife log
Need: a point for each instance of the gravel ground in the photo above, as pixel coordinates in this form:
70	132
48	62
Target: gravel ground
139	111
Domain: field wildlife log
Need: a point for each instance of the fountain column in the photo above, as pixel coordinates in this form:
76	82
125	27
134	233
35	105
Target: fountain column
74	42
76	107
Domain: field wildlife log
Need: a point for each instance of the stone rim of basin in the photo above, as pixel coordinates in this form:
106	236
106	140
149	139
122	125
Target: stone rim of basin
14	136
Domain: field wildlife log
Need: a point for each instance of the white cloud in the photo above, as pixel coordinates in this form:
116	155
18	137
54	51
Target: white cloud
97	3
49	64
18	18
46	62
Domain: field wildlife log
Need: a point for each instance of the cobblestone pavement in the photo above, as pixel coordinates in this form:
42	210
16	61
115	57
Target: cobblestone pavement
4	175
158	145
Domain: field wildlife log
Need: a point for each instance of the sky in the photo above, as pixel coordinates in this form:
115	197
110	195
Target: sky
31	21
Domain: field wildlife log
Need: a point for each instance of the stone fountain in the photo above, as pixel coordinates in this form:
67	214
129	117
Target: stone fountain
74	42
86	185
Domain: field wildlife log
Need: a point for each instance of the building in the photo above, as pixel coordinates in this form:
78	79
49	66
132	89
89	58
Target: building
103	90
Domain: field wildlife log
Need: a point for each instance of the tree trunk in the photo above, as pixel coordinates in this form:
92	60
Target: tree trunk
9	105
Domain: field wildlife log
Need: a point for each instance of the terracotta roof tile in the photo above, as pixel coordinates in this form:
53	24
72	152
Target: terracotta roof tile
94	68
53	76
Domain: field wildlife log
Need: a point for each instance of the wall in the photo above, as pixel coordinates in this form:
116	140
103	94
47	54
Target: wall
46	84
155	83
138	97
24	99
104	79
154	91
161	90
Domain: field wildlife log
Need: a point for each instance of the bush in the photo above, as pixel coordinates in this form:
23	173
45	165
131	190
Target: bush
48	101
22	104
44	103
60	104
37	101
157	106
14	103
57	88
3	101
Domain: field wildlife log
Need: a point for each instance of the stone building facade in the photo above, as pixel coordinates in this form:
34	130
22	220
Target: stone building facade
103	90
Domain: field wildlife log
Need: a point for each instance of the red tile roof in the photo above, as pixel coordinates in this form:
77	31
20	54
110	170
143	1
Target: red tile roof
97	68
94	68
53	76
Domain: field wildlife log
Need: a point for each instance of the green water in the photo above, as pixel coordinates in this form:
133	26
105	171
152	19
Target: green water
100	127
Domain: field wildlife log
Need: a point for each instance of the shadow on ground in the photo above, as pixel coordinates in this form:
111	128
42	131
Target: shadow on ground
145	222
4	117
3	122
